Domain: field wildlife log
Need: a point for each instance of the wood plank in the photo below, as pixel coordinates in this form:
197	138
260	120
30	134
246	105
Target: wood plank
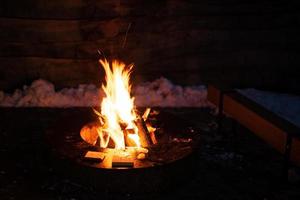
67	9
214	42
207	41
81	9
215	22
18	30
59	31
239	61
214	60
21	73
295	151
257	124
284	79
165	60
270	116
213	95
265	129
262	122
63	72
70	72
89	50
233	68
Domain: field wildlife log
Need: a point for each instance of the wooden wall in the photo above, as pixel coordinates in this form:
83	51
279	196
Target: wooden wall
239	42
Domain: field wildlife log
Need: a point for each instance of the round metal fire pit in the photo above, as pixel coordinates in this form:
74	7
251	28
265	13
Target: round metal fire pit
168	163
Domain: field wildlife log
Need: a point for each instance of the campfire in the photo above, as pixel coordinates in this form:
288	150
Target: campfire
122	133
119	141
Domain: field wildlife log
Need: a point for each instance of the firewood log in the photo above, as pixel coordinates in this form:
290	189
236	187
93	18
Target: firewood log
143	133
128	141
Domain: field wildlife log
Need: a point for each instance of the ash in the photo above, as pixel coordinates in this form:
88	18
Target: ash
159	93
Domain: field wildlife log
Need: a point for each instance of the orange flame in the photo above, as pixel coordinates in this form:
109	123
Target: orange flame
117	107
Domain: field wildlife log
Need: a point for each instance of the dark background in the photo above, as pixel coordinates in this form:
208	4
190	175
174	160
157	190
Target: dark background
251	43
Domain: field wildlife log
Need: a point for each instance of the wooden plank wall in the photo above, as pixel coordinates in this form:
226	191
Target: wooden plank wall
233	41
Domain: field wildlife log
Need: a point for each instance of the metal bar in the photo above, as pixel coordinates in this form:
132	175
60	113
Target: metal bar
220	115
234	127
287	154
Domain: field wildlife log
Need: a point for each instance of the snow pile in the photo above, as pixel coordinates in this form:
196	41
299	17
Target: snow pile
161	93
285	105
42	93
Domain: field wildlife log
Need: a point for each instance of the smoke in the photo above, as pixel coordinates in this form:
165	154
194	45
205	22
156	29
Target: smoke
159	93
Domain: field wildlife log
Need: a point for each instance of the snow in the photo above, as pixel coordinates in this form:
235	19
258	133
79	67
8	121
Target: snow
286	106
159	93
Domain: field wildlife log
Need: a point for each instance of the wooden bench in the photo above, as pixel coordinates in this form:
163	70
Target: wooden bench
273	129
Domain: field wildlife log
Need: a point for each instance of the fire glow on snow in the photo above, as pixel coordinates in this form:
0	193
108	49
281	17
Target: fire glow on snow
160	93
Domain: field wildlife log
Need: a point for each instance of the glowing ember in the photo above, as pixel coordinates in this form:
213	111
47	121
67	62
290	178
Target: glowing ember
117	113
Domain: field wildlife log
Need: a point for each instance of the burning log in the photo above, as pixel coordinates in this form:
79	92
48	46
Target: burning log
143	133
128	141
141	156
89	133
152	134
120	160
141	153
149	127
146	114
94	156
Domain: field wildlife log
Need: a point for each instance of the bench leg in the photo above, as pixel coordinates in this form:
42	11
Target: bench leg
286	159
220	115
234	135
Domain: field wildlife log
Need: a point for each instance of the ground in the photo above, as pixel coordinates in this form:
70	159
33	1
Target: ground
230	166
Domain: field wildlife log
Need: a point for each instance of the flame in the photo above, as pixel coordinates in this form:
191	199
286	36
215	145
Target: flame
117	107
